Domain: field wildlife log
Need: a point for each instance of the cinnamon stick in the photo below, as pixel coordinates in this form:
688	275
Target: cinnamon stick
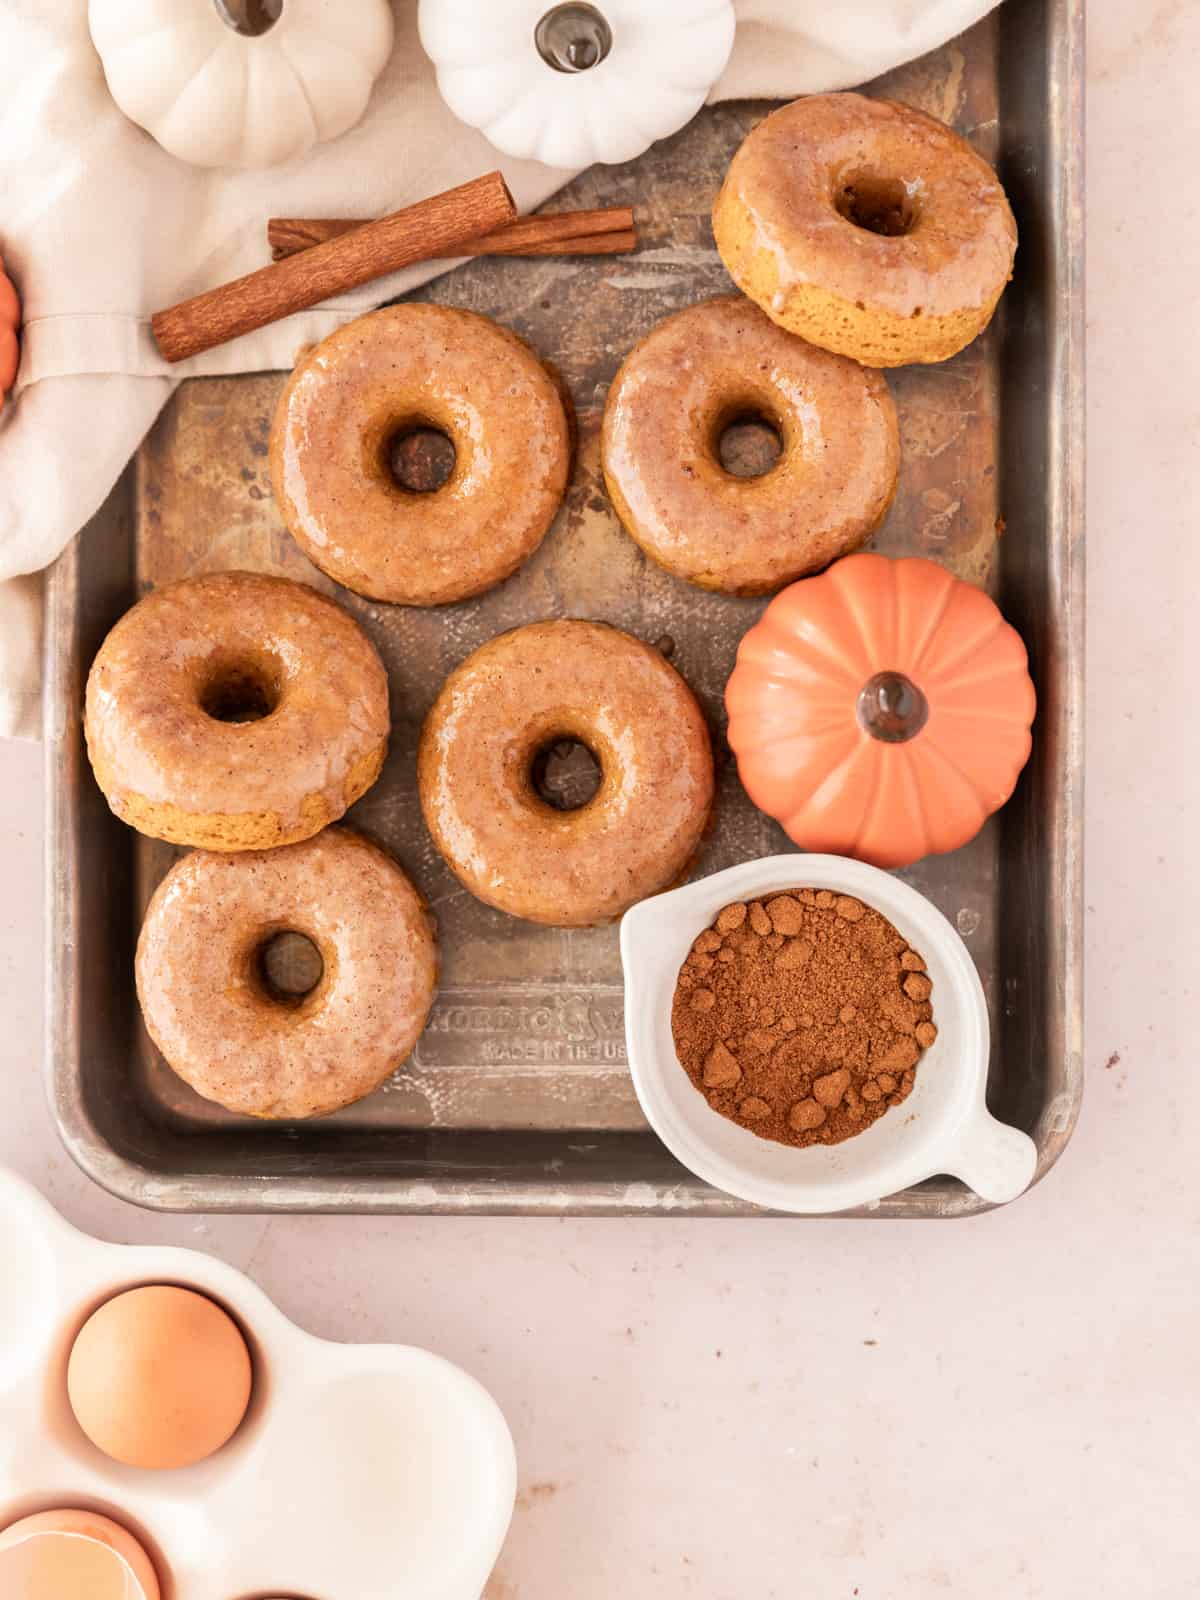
552	233
592	244
354	258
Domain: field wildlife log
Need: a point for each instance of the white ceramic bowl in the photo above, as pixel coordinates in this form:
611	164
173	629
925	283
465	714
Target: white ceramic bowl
361	1472
943	1126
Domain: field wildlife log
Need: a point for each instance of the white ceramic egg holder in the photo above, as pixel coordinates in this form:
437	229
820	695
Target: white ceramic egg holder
361	1472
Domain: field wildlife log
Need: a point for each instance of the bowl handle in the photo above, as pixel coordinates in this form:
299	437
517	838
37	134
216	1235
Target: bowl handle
995	1160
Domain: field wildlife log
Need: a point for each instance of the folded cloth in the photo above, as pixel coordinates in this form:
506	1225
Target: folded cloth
100	227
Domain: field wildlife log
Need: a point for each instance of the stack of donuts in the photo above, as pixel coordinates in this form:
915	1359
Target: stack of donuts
242	715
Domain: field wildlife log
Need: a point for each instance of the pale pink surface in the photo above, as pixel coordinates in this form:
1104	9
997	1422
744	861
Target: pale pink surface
1018	1424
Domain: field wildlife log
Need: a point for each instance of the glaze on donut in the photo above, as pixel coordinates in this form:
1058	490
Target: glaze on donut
866	227
211	1012
714	364
516	697
385	374
235	712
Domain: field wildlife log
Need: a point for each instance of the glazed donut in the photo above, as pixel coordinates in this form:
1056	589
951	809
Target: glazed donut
688	379
515	698
235	712
866	227
209	1006
380	377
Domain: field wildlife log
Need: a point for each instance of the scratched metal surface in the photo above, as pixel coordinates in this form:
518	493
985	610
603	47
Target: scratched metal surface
517	1097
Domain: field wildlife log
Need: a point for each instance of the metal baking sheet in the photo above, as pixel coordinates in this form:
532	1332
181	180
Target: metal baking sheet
517	1098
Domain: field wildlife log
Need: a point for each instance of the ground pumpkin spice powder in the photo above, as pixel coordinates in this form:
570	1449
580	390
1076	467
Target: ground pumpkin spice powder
802	1016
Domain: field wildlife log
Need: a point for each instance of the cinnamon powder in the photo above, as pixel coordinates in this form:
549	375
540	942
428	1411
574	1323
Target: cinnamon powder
803	1016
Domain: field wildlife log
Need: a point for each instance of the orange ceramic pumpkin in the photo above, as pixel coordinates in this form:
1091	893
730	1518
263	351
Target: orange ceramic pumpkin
881	710
10	319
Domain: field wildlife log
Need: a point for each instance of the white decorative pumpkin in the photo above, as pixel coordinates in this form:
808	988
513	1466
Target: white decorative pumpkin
573	84
251	92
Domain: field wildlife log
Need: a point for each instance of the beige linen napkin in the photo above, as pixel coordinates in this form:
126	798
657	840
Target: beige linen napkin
99	227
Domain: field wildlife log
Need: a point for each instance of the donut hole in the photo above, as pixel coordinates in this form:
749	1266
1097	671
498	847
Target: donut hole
420	457
748	442
249	17
240	691
878	204
288	966
565	773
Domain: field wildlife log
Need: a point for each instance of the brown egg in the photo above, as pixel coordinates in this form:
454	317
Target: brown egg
159	1377
76	1553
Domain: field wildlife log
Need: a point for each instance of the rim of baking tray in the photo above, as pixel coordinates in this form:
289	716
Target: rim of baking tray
1056	242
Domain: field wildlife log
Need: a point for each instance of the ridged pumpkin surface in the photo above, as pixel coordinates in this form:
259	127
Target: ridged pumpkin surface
804	753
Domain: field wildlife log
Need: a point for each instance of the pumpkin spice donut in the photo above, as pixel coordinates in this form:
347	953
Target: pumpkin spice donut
689	379
208	1000
235	711
512	701
382	377
866	227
